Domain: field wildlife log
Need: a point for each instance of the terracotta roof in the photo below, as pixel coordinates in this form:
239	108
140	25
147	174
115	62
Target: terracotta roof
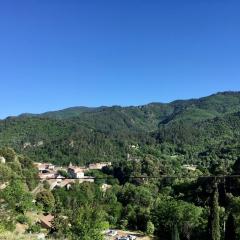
46	221
76	169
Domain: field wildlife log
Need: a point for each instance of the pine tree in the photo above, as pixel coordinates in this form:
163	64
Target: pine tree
214	220
230	232
175	233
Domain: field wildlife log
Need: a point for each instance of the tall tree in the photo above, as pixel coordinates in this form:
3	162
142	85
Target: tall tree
88	224
46	198
230	232
214	220
175	233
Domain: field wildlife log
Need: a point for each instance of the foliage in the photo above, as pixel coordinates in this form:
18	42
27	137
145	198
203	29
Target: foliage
168	211
8	153
201	131
64	174
46	198
214	221
230	232
88	224
35	228
175	233
144	144
17	197
150	228
22	219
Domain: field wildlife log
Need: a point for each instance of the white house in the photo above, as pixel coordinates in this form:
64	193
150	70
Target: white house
76	172
99	166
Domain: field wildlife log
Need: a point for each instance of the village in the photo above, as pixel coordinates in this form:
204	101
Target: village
53	175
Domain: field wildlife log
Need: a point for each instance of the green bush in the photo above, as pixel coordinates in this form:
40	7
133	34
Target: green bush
34	228
22	219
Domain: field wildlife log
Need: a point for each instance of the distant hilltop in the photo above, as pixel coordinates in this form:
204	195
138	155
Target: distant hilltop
105	134
78	110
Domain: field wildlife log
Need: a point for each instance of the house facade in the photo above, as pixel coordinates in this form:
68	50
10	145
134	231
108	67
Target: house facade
76	172
99	166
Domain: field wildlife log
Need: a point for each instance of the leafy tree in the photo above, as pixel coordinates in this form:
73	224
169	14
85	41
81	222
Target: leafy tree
167	211
8	153
17	197
87	224
46	198
150	228
6	173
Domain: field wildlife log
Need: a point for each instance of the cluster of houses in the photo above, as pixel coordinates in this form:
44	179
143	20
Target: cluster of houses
51	173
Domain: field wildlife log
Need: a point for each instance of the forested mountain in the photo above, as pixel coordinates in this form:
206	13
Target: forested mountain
80	134
150	115
173	174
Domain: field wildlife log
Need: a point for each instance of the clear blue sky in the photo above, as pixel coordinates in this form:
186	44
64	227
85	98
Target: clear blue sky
61	53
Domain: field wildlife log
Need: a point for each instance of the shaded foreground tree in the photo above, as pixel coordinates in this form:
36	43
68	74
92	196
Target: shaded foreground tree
214	220
175	233
167	211
230	232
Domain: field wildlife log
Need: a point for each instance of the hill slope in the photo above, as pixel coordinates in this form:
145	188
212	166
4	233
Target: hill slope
106	133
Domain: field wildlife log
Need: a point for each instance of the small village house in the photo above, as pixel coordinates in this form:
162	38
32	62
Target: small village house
44	167
76	172
49	172
99	166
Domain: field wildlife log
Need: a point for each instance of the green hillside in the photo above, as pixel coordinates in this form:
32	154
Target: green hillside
188	140
83	135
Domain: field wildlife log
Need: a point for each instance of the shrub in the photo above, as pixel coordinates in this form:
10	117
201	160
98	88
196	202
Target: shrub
22	219
34	228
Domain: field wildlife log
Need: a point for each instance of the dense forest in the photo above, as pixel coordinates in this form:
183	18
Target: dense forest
174	172
185	207
196	131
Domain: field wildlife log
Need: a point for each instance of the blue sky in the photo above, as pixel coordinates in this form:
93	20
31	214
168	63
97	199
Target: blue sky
61	53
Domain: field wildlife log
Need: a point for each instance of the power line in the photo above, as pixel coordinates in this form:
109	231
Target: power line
127	177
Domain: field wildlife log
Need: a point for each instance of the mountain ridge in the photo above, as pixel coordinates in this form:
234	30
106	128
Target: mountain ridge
82	109
82	135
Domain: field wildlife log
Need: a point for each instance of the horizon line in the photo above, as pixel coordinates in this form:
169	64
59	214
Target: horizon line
116	105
